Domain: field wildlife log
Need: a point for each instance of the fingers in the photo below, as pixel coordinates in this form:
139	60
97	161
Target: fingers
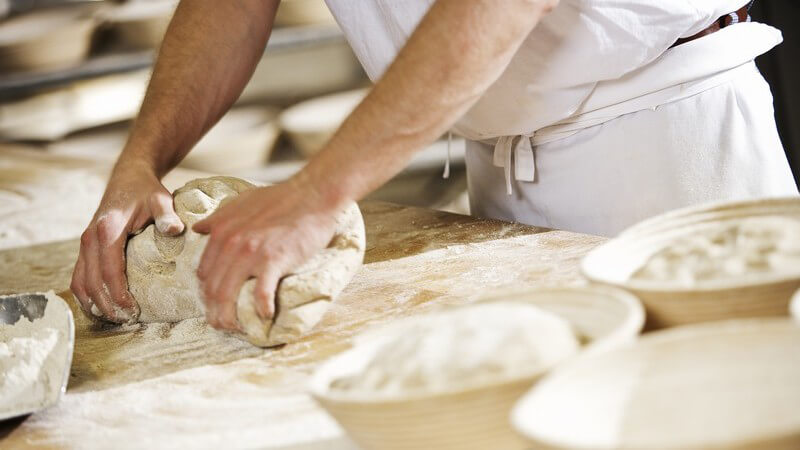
98	292
264	293
209	223
77	286
167	221
112	235
222	304
210	254
204	226
235	260
99	280
232	263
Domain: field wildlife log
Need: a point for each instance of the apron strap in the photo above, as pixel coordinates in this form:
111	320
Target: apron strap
446	173
524	162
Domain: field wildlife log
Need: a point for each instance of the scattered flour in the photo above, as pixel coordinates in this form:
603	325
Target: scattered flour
30	361
461	348
744	248
44	203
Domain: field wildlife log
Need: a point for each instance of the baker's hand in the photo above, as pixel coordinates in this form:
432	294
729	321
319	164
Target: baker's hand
263	233
134	197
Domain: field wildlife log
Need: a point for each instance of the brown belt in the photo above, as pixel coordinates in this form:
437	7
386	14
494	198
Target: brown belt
740	15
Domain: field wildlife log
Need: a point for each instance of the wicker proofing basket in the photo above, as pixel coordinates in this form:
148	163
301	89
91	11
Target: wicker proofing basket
303	12
668	305
476	418
243	139
732	384
52	39
141	25
310	124
794	306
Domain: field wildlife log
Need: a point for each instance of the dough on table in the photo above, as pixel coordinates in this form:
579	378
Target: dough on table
162	270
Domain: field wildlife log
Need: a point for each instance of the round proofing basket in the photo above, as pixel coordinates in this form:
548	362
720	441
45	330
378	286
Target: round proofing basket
52	39
310	124
141	24
243	139
603	317
475	418
731	384
785	206
303	12
794	306
668	304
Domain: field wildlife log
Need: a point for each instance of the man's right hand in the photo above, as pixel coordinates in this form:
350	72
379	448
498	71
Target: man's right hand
134	198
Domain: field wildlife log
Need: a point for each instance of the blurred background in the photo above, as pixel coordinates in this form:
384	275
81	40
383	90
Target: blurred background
73	74
781	70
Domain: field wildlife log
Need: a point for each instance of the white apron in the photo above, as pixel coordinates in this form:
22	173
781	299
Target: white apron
597	123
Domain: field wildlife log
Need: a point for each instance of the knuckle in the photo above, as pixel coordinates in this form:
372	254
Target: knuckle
253	245
218	231
106	230
86	237
233	242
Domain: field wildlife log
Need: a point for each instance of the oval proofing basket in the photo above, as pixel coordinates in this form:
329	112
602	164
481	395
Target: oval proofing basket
730	384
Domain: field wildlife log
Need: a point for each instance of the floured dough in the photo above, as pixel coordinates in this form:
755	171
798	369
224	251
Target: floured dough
161	270
460	348
745	248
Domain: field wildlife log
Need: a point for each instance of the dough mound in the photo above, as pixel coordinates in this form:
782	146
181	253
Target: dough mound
749	248
459	348
161	270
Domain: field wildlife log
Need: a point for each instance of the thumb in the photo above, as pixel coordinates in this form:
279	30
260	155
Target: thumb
167	221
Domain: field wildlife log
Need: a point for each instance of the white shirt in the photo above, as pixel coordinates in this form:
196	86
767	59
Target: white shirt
583	56
597	123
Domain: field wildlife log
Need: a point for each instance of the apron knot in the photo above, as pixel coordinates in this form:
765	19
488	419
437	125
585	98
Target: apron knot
524	162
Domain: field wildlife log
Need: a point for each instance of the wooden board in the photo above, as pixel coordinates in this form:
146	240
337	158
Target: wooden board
186	385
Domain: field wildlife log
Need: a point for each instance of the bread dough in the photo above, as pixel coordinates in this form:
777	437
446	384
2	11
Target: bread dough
460	348
161	270
730	250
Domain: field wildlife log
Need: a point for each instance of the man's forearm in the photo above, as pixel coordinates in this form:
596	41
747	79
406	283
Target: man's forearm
458	50
209	53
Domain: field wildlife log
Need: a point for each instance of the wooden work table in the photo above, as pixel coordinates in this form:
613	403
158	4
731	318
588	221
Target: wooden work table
165	385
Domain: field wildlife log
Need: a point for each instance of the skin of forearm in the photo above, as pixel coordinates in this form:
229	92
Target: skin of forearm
209	53
458	50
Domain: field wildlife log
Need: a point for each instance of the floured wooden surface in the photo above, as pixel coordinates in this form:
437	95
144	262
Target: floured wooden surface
47	198
187	385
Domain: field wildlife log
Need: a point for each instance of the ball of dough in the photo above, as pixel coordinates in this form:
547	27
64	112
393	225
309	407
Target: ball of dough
162	276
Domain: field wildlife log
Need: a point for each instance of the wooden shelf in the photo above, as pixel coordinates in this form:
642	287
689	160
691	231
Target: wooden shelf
17	85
